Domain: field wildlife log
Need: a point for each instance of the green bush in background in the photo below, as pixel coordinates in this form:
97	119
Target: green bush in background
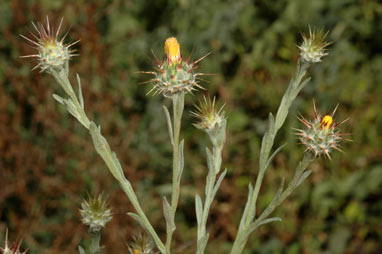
45	168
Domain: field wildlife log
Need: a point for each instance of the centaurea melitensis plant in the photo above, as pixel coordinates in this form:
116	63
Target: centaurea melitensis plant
174	78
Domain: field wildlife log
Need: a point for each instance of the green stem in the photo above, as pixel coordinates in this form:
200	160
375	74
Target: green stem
62	78
209	196
217	137
103	149
178	106
292	91
301	167
95	242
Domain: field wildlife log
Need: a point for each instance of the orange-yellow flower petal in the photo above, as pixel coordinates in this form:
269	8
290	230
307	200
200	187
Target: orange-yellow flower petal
326	122
172	50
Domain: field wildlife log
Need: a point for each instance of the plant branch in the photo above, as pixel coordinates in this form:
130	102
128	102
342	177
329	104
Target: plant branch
177	165
75	107
295	86
214	160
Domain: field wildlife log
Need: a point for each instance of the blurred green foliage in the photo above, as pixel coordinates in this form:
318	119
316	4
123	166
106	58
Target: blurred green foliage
47	166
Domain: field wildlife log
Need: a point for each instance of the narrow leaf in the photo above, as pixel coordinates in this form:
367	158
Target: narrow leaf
269	220
168	215
255	225
301	86
169	125
305	175
267	141
246	208
139	220
181	160
274	202
210	160
273	155
217	185
98	141
59	99
71	108
116	161
198	208
80	92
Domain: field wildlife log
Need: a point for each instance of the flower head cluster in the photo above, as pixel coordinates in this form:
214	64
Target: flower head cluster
141	244
313	46
15	249
95	212
321	135
52	53
173	75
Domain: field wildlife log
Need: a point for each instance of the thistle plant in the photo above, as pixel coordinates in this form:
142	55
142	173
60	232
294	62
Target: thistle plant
313	47
95	214
311	51
321	135
173	75
212	121
174	78
52	53
74	104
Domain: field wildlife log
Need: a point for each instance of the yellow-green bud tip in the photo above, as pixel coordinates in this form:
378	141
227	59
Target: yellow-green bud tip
172	50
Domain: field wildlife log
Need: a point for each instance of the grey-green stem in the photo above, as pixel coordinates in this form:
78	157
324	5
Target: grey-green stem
295	86
75	106
202	236
214	160
95	247
178	161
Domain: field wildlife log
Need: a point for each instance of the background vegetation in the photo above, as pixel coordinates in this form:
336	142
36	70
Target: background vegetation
47	163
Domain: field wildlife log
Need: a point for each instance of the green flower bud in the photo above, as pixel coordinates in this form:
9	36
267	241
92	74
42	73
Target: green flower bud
95	212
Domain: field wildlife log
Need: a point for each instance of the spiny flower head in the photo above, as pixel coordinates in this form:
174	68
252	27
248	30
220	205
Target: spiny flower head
321	135
173	75
15	249
141	244
52	53
211	119
208	113
313	47
95	212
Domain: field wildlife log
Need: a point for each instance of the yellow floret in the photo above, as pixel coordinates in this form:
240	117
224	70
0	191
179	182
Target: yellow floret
326	122
172	50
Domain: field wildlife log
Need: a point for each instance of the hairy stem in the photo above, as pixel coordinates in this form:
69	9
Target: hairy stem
95	242
297	178
202	235
295	86
177	163
76	108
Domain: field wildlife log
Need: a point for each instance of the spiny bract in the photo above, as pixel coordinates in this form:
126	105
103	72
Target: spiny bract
208	113
313	47
95	212
52	53
321	135
173	75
